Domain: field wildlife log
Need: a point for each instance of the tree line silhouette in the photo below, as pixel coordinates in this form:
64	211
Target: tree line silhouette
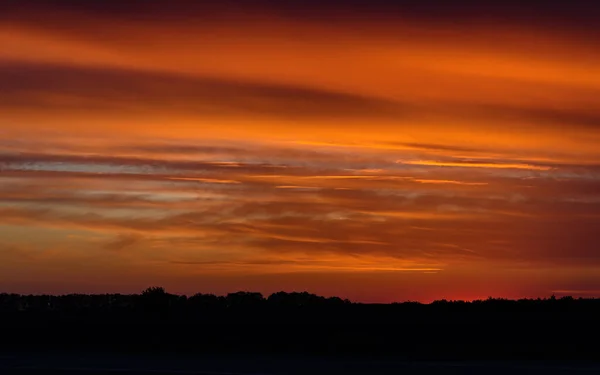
156	303
249	322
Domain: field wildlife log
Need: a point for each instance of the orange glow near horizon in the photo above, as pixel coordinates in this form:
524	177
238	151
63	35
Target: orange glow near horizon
378	159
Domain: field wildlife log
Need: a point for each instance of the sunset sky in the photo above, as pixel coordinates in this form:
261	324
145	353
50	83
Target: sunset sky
374	150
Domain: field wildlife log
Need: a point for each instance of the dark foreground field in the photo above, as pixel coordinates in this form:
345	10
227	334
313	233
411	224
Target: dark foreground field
244	333
78	363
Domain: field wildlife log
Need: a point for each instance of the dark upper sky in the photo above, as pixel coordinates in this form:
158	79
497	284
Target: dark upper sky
575	15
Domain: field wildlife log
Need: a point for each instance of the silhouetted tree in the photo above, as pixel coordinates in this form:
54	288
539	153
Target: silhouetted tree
248	299
155	301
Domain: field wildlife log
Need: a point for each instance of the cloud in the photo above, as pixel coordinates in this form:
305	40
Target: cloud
119	90
450	182
475	164
346	222
123	241
10	253
209	180
60	87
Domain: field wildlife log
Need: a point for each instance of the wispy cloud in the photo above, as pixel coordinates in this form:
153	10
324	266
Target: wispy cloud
475	164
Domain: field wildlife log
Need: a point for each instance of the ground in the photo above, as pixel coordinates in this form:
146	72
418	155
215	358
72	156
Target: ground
59	363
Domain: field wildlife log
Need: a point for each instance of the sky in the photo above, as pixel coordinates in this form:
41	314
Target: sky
374	150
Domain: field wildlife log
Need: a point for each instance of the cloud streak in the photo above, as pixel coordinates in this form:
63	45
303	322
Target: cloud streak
475	164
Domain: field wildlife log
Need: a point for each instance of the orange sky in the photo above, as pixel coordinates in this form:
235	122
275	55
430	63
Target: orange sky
373	152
